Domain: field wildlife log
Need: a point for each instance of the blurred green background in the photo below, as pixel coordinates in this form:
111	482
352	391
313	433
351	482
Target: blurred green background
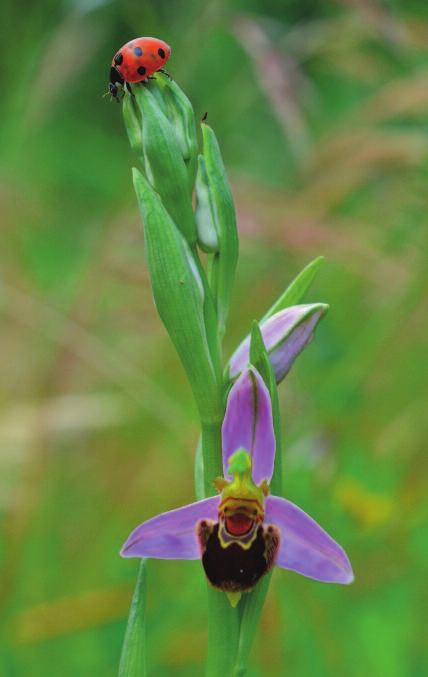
321	109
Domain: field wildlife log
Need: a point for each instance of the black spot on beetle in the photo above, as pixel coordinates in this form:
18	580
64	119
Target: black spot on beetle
141	70
118	59
161	53
138	51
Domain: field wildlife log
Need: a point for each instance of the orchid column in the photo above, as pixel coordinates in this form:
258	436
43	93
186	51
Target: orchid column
237	528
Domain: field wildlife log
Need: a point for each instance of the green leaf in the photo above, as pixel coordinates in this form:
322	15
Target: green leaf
297	289
180	298
223	211
133	657
164	164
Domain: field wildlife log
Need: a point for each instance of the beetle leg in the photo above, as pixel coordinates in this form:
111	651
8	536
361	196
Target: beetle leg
162	70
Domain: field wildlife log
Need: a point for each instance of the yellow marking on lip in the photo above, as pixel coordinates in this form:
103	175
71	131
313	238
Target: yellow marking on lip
235	499
241	494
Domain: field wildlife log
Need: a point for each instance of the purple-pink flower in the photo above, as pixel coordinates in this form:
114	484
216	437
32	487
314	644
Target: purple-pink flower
285	334
241	533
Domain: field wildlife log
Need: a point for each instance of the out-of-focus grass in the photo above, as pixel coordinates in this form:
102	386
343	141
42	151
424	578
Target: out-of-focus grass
322	113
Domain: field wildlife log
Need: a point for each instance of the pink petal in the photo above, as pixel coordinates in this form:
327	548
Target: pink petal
171	535
248	424
305	547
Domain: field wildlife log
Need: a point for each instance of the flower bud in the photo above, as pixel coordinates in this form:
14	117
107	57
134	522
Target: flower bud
285	334
204	213
179	112
164	163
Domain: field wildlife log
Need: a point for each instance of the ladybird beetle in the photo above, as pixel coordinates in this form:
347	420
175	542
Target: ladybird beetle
136	61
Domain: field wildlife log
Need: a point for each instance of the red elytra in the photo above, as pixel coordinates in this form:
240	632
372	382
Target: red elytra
137	60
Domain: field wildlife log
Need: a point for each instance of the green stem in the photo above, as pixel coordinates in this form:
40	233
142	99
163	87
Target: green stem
223	635
250	608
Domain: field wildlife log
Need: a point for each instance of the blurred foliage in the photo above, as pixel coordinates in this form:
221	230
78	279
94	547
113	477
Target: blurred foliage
321	110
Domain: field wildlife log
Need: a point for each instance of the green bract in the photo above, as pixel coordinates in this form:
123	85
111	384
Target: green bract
223	214
296	290
178	290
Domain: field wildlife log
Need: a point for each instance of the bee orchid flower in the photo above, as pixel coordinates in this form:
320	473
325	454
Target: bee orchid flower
241	533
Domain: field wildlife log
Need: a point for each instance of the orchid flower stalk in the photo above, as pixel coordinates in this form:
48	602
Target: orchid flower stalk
243	532
242	527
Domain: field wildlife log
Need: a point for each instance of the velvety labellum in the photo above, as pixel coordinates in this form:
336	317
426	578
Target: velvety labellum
238	564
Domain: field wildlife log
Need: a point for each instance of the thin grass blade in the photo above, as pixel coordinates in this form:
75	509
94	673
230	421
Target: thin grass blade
133	658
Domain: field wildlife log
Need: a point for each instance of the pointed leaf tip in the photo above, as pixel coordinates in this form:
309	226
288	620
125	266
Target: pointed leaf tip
296	290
